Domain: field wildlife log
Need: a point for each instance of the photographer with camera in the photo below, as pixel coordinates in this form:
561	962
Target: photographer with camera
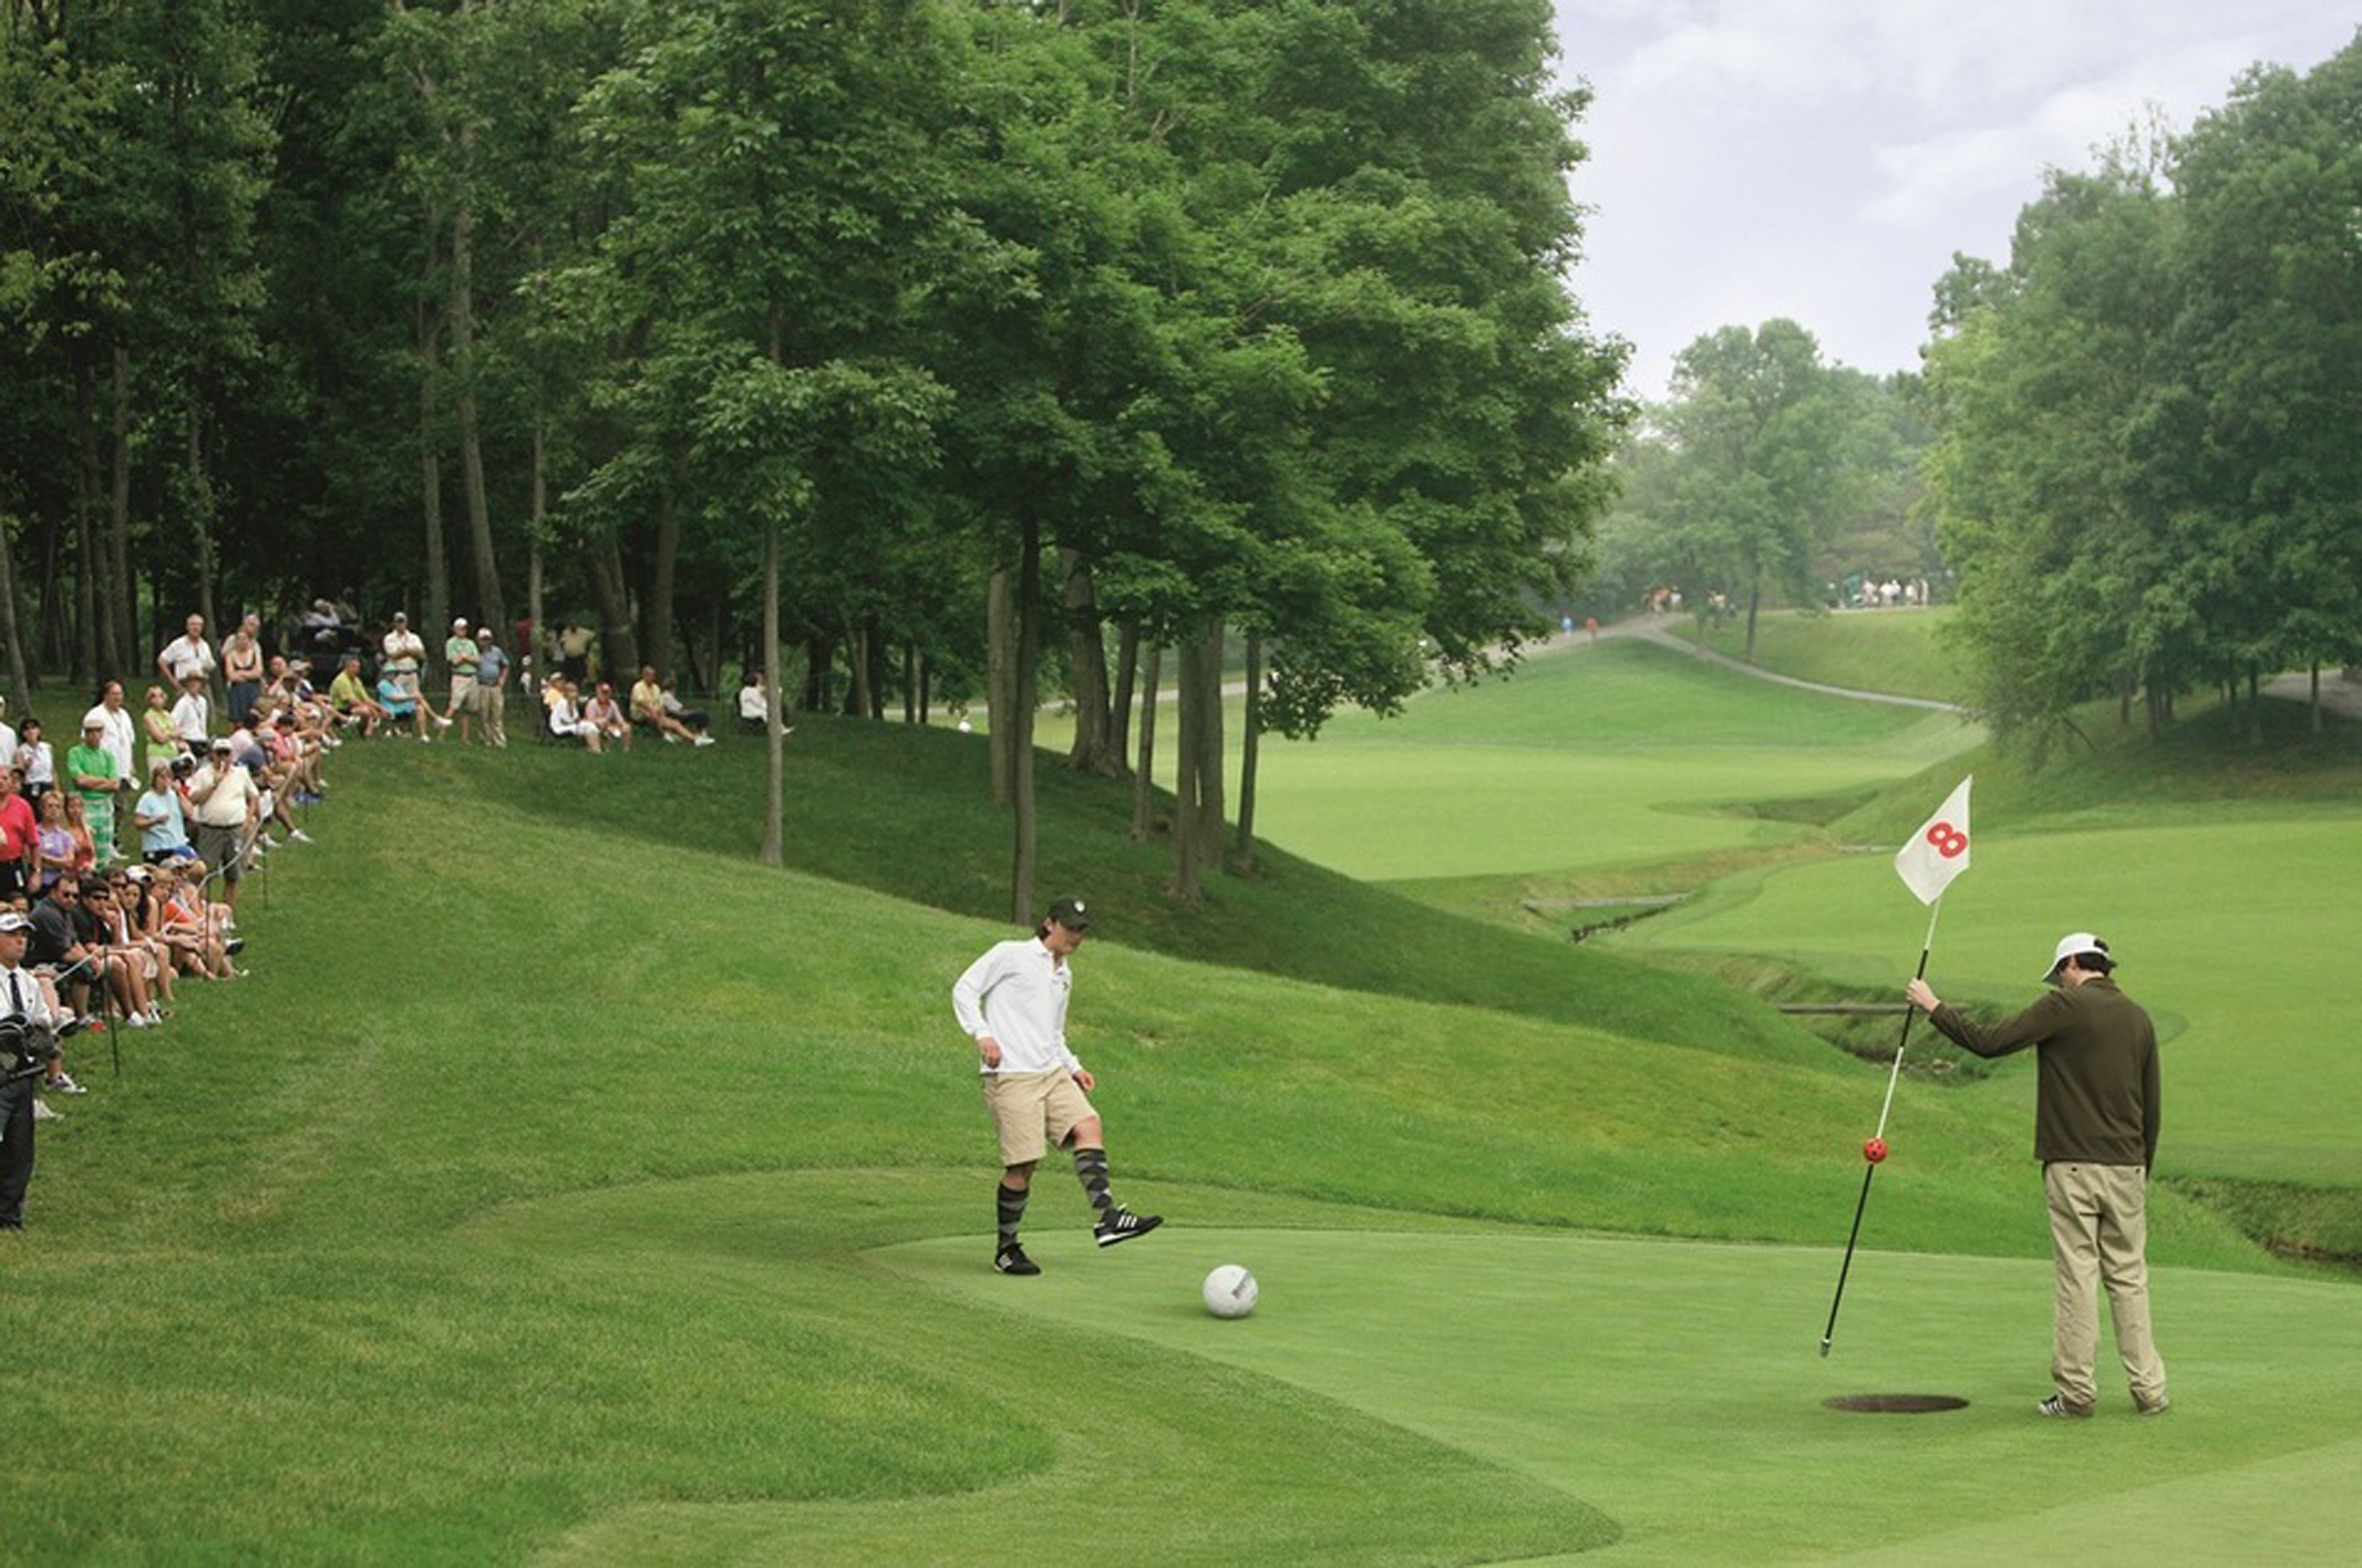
229	808
28	1046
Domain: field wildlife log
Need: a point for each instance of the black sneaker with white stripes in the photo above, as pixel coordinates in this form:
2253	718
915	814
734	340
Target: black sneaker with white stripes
2057	1405
1123	1225
1011	1259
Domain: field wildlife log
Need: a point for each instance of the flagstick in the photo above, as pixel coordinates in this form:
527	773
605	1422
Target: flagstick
1869	1166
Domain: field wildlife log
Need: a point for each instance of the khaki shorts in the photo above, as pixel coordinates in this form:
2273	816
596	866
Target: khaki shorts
1033	1111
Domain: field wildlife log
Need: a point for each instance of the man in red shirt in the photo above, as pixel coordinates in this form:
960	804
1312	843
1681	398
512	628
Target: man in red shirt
17	831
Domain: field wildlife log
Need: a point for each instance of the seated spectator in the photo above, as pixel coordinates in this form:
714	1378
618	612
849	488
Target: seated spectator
654	705
147	968
401	704
754	704
162	823
608	714
59	943
566	719
350	698
175	911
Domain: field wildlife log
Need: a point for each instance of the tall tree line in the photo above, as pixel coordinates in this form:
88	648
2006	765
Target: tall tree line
911	345
2146	471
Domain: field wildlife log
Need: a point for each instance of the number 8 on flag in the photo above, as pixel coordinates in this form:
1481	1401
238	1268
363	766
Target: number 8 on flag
1940	850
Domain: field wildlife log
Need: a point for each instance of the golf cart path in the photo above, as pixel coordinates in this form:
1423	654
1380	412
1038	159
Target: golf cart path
1653	629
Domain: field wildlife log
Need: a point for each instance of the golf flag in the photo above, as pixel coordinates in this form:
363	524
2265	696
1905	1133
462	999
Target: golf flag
1940	850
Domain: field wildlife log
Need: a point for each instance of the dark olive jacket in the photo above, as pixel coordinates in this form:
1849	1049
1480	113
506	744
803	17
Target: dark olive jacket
2097	1101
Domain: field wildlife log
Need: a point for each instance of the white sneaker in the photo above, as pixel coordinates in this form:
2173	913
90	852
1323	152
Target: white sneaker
137	1021
63	1084
442	723
705	740
41	1111
299	836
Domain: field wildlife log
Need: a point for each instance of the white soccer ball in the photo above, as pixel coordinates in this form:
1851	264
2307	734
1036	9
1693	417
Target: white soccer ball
1230	1292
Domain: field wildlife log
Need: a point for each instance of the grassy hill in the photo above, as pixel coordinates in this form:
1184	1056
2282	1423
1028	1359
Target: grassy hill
1901	651
566	1183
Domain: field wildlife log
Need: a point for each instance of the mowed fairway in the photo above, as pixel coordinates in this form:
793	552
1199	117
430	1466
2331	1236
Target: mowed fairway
2221	929
1587	757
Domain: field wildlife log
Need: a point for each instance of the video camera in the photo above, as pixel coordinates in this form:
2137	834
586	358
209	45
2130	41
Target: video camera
184	766
25	1049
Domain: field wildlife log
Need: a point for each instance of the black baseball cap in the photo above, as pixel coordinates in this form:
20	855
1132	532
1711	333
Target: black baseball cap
1071	913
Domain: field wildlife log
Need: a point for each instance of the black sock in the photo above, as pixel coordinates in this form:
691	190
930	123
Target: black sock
1013	1209
1090	1167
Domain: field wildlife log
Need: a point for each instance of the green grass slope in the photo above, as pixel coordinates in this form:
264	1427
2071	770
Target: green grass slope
535	1183
1901	651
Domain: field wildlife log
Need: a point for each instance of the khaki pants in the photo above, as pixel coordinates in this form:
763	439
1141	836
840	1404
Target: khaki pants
2098	1233
492	705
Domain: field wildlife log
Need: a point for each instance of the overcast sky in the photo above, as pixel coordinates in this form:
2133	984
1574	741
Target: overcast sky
1822	160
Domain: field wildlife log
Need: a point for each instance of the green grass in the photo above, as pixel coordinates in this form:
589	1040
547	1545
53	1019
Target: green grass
566	1184
1901	651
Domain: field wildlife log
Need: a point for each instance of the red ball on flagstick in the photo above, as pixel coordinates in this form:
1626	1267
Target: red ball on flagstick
1874	1150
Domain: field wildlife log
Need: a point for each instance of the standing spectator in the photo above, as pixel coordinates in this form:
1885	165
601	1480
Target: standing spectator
241	653
92	769
229	808
492	688
192	717
461	654
574	652
403	653
187	655
36	761
53	853
608	714
20	836
156	728
27	1011
2096	1120
121	740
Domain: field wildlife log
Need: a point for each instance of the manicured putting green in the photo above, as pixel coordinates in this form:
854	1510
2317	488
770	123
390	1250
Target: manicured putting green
2225	931
1676	1385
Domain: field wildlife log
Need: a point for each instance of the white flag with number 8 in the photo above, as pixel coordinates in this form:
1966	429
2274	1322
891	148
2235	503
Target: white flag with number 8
1940	850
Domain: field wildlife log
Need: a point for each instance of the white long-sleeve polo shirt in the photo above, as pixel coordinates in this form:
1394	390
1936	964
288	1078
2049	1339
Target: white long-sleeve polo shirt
1016	994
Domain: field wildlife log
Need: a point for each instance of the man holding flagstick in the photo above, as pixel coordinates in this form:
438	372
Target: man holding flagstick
2095	1126
1927	863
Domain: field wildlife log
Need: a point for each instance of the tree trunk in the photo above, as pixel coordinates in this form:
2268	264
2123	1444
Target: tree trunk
1020	741
1190	716
1144	776
201	518
999	701
20	684
115	551
664	577
909	682
775	755
490	605
856	659
86	550
820	655
1127	672
529	657
619	647
1250	738
1094	749
1754	604
2316	696
436	594
2255	706
1209	755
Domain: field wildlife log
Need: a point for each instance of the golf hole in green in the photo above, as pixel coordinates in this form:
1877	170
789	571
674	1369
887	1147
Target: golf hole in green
1895	1404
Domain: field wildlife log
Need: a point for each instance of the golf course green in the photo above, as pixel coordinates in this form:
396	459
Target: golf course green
567	1186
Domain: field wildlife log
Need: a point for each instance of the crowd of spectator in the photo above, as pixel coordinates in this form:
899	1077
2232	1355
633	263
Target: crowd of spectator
121	859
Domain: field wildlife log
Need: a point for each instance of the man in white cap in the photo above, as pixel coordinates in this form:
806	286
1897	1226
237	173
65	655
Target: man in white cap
461	654
1013	1003
2095	1127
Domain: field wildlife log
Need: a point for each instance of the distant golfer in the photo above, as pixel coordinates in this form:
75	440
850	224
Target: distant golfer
1012	1002
2095	1125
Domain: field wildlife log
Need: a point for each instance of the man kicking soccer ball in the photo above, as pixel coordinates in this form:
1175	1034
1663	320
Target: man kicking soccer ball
1012	1002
